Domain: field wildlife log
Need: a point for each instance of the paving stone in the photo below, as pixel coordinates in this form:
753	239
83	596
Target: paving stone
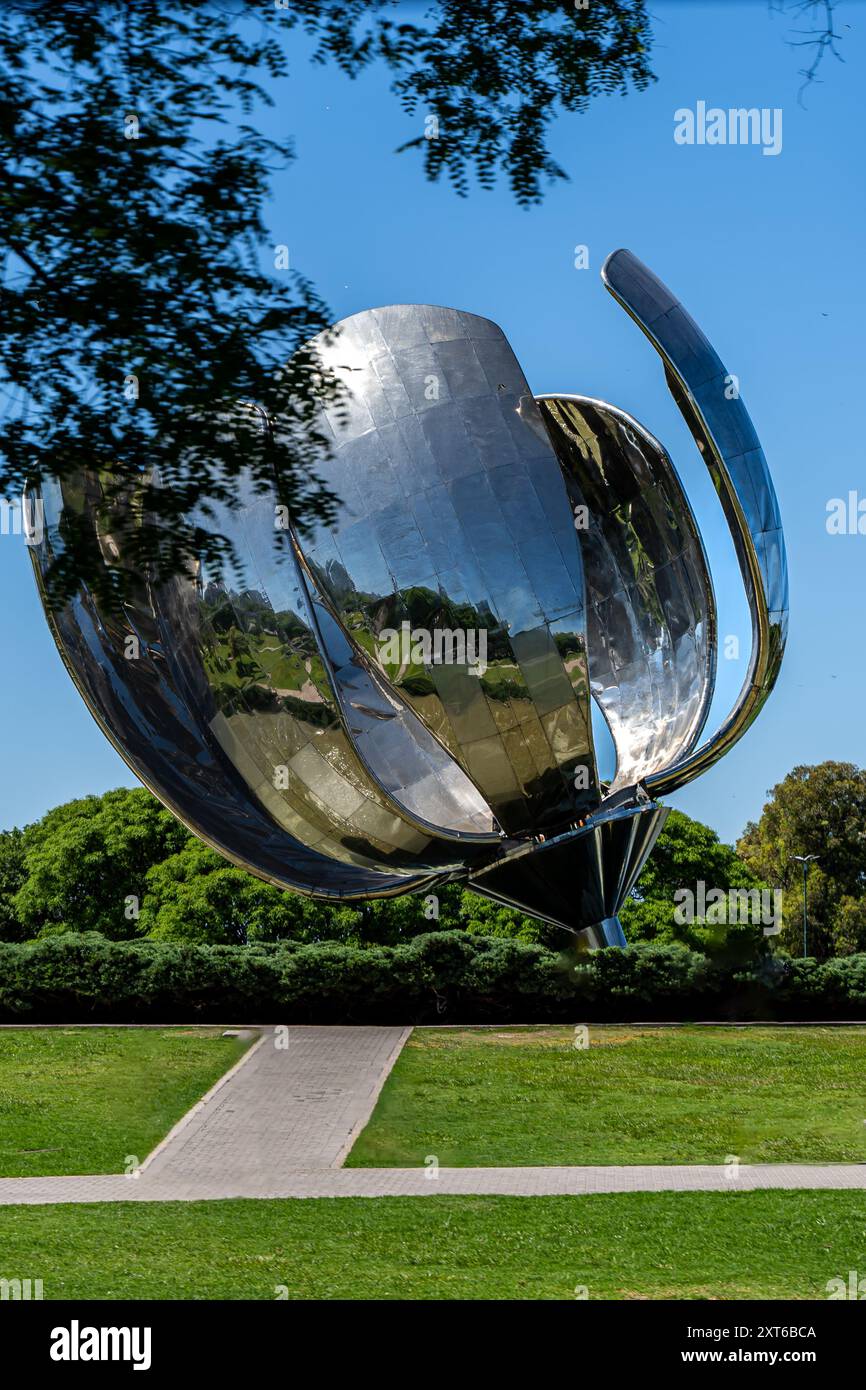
282	1108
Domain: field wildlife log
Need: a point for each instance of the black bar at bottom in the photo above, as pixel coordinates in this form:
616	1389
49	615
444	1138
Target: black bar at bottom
229	1341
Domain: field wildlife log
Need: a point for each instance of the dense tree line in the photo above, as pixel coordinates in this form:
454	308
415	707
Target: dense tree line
121	865
441	977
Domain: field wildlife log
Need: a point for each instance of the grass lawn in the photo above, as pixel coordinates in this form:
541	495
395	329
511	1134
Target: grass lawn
81	1100
655	1245
506	1097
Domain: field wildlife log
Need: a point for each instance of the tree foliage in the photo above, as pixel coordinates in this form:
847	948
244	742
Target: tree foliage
139	299
12	876
197	896
815	810
135	311
121	865
85	864
488	77
686	853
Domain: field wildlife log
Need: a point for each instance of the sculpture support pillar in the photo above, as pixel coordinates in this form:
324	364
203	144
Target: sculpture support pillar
583	876
609	932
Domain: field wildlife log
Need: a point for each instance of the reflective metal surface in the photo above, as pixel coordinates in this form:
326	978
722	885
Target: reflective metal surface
149	689
708	396
404	696
455	517
582	877
652	616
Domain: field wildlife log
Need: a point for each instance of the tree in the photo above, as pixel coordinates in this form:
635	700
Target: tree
389	921
135	309
688	853
197	895
849	926
134	305
814	810
821	39
485	917
121	865
12	875
85	863
489	76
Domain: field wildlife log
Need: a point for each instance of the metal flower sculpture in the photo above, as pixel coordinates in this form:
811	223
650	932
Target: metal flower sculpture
405	698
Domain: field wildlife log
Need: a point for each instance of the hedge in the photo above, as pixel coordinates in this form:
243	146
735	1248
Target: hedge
445	977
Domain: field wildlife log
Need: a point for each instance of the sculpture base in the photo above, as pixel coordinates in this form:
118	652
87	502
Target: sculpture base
578	880
606	933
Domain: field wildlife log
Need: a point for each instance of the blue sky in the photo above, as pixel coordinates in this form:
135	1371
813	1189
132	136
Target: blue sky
765	252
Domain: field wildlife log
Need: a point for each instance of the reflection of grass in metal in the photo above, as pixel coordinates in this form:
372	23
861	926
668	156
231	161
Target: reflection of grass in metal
647	1245
79	1100
241	660
501	682
506	673
366	640
416	685
637	1095
307	711
504	689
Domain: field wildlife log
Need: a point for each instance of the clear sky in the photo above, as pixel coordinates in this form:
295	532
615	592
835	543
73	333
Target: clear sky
765	252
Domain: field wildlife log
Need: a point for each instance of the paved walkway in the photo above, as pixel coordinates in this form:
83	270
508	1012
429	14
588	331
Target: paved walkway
415	1182
282	1121
280	1108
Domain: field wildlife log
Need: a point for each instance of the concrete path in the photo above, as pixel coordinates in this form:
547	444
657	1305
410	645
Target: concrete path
415	1182
297	1099
282	1121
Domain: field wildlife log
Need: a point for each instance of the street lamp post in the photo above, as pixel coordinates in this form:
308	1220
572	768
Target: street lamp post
805	860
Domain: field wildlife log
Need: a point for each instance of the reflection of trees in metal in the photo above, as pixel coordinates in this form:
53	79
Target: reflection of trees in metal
342	769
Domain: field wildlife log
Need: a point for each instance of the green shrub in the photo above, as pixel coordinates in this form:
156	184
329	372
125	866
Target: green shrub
444	976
